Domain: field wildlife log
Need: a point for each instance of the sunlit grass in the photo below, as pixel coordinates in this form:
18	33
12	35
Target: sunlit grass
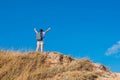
44	66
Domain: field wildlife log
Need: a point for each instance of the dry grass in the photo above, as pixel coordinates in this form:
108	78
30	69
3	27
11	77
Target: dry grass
34	66
77	75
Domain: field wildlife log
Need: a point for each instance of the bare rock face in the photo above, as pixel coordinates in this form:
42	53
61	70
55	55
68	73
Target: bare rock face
100	68
54	58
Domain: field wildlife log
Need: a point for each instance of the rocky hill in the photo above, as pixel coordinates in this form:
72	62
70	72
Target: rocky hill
50	66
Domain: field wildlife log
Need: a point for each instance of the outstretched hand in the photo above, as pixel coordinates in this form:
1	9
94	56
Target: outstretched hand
34	28
49	28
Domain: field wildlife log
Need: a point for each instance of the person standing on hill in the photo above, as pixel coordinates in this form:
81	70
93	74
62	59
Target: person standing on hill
39	37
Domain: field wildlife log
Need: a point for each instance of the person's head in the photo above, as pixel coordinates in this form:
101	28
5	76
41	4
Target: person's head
41	30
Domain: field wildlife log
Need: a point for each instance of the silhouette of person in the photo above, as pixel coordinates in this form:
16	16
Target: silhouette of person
39	37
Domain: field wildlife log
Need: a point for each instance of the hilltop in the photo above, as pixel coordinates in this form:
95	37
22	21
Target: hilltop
50	66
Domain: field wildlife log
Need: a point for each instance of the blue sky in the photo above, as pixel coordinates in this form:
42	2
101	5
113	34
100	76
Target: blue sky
80	28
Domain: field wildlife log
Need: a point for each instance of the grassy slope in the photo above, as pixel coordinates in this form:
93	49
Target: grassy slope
45	66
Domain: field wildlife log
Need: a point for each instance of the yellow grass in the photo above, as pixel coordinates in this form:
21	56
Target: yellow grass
44	66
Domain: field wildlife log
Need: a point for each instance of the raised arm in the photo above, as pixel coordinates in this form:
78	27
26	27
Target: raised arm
35	30
47	30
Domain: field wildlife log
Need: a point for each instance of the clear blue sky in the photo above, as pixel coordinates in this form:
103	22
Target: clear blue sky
80	28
